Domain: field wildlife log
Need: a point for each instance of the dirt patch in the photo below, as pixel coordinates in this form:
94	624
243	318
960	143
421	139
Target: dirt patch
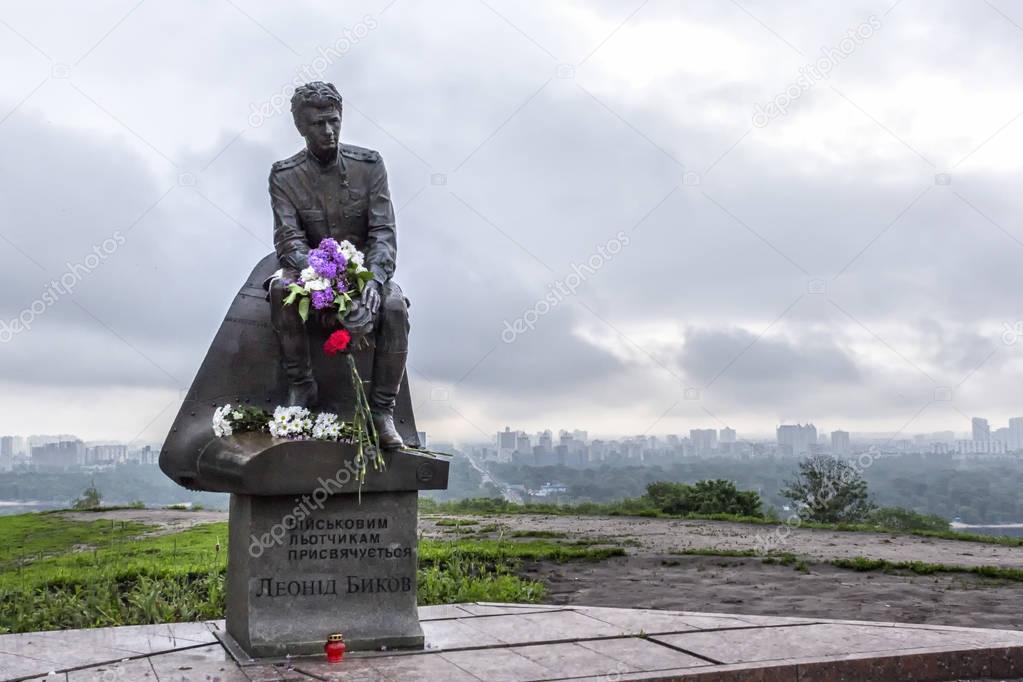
748	586
167	520
658	537
650	576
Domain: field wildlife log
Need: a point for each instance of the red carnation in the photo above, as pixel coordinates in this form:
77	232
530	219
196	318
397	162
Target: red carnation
337	343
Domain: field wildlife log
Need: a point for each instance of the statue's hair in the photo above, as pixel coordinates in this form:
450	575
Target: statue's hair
314	94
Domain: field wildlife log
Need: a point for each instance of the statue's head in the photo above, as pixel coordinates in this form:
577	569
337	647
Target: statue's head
316	108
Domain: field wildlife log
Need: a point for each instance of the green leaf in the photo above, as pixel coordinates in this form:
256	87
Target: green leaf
343	302
303	309
363	278
291	298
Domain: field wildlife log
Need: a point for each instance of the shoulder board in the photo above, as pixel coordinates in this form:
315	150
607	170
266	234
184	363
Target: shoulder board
359	153
289	162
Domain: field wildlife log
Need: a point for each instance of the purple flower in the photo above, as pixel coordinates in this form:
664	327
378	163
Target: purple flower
332	251
342	285
322	264
329	247
322	299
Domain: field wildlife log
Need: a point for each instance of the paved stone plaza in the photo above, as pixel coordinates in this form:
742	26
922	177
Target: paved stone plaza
505	642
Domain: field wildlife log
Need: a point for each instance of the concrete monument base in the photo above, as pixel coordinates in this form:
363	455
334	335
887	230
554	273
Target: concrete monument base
302	568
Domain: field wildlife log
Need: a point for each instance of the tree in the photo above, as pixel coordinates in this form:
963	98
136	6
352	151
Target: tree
703	497
829	490
91	498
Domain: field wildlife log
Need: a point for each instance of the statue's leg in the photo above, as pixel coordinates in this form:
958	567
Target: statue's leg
294	340
392	329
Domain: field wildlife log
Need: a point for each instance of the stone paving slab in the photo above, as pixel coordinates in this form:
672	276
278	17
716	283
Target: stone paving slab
526	643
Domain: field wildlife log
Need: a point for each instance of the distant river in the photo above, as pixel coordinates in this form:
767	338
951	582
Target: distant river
1011	529
8	507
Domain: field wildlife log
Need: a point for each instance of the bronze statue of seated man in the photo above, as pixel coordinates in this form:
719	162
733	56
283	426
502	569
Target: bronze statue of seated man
334	190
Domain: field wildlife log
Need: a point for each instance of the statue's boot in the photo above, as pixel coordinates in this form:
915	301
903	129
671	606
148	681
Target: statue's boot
291	333
303	394
388	370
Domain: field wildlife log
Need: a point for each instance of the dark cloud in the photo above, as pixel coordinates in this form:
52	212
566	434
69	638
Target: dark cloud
816	258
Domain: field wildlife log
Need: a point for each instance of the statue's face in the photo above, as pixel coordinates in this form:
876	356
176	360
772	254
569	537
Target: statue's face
321	128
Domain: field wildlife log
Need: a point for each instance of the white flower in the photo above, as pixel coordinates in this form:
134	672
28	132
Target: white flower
357	258
327	426
308	275
318	284
290	422
221	423
348	249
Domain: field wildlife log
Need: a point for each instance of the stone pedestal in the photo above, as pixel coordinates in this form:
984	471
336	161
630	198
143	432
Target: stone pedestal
312	551
301	568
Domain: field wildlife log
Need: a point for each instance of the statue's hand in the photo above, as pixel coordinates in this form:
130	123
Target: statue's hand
297	261
371	296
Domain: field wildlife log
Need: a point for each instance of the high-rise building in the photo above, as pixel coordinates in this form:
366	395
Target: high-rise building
703	440
6	453
506	444
523	444
1001	437
796	439
981	429
840	443
1016	433
58	456
726	435
545	441
106	454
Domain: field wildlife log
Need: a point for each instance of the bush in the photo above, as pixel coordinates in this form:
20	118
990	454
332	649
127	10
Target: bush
91	499
703	498
829	490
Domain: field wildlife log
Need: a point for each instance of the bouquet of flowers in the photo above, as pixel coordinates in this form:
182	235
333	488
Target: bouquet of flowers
227	419
299	423
334	278
293	423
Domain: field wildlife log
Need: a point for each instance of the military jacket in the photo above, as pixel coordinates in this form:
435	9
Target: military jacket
345	199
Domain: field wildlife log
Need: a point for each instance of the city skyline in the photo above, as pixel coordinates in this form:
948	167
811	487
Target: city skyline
1014	425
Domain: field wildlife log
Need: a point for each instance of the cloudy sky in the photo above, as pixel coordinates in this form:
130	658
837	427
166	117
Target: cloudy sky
623	217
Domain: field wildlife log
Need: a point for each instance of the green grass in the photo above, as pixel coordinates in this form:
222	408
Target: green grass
537	534
26	537
712	551
93	574
495	550
457	522
781	558
865	564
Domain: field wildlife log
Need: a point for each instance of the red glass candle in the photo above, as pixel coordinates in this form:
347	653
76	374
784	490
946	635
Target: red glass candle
335	648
